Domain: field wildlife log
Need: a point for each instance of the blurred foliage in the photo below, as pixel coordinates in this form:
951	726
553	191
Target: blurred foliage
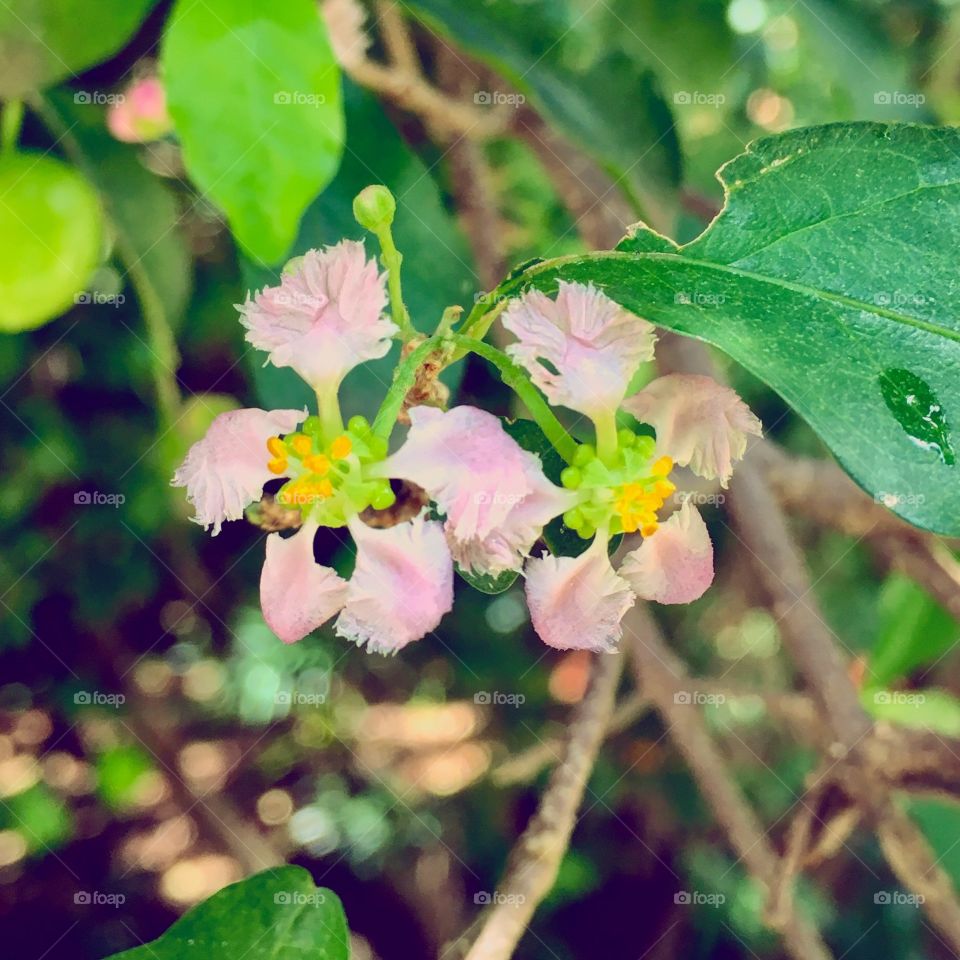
375	773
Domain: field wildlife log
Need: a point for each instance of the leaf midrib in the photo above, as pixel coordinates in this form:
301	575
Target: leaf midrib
813	292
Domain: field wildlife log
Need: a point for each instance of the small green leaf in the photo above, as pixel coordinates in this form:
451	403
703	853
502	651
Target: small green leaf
913	632
45	41
831	275
927	709
278	913
487	583
254	92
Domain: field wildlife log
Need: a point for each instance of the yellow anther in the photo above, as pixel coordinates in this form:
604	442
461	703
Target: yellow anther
317	463
662	467
630	523
663	488
301	445
276	447
341	447
277	465
324	488
649	529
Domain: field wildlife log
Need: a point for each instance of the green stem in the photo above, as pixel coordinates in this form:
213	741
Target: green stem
607	442
10	125
392	258
328	407
510	373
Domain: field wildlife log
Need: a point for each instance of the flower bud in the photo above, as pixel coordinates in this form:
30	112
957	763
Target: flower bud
374	207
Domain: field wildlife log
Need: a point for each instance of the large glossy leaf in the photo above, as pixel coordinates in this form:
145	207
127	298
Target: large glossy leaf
830	274
45	41
254	91
279	913
437	268
609	106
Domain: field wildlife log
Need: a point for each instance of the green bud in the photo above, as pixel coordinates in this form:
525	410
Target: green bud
571	478
587	531
378	447
626	437
646	446
358	426
383	498
312	427
574	519
585	453
374	208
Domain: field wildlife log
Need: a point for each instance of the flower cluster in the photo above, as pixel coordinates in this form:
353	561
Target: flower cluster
581	349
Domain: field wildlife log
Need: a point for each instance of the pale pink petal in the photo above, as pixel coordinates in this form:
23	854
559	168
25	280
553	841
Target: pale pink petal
592	343
140	114
345	21
493	492
699	422
297	595
226	470
401	587
675	564
577	603
325	317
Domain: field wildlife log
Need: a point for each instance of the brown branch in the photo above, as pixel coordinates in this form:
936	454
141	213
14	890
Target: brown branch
535	859
661	676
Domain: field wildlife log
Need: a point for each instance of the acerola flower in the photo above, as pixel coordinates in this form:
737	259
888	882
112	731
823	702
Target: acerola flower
325	316
699	422
593	344
401	587
622	484
493	492
140	114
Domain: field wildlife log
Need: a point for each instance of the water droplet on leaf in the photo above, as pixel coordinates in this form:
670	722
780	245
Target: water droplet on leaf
918	410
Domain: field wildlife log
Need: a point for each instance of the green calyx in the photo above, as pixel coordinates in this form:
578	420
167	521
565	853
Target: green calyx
330	479
621	495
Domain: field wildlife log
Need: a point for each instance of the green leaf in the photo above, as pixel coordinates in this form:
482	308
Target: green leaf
913	632
831	275
927	709
278	913
254	92
610	107
437	267
45	41
940	823
487	583
141	208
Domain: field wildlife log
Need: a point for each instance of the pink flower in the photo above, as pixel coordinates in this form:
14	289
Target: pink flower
577	603
325	316
593	344
493	492
401	587
699	422
676	564
226	470
140	115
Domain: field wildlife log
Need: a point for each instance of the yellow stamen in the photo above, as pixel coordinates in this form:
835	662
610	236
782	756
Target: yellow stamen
649	529
301	445
276	447
277	465
317	463
662	467
341	447
663	488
